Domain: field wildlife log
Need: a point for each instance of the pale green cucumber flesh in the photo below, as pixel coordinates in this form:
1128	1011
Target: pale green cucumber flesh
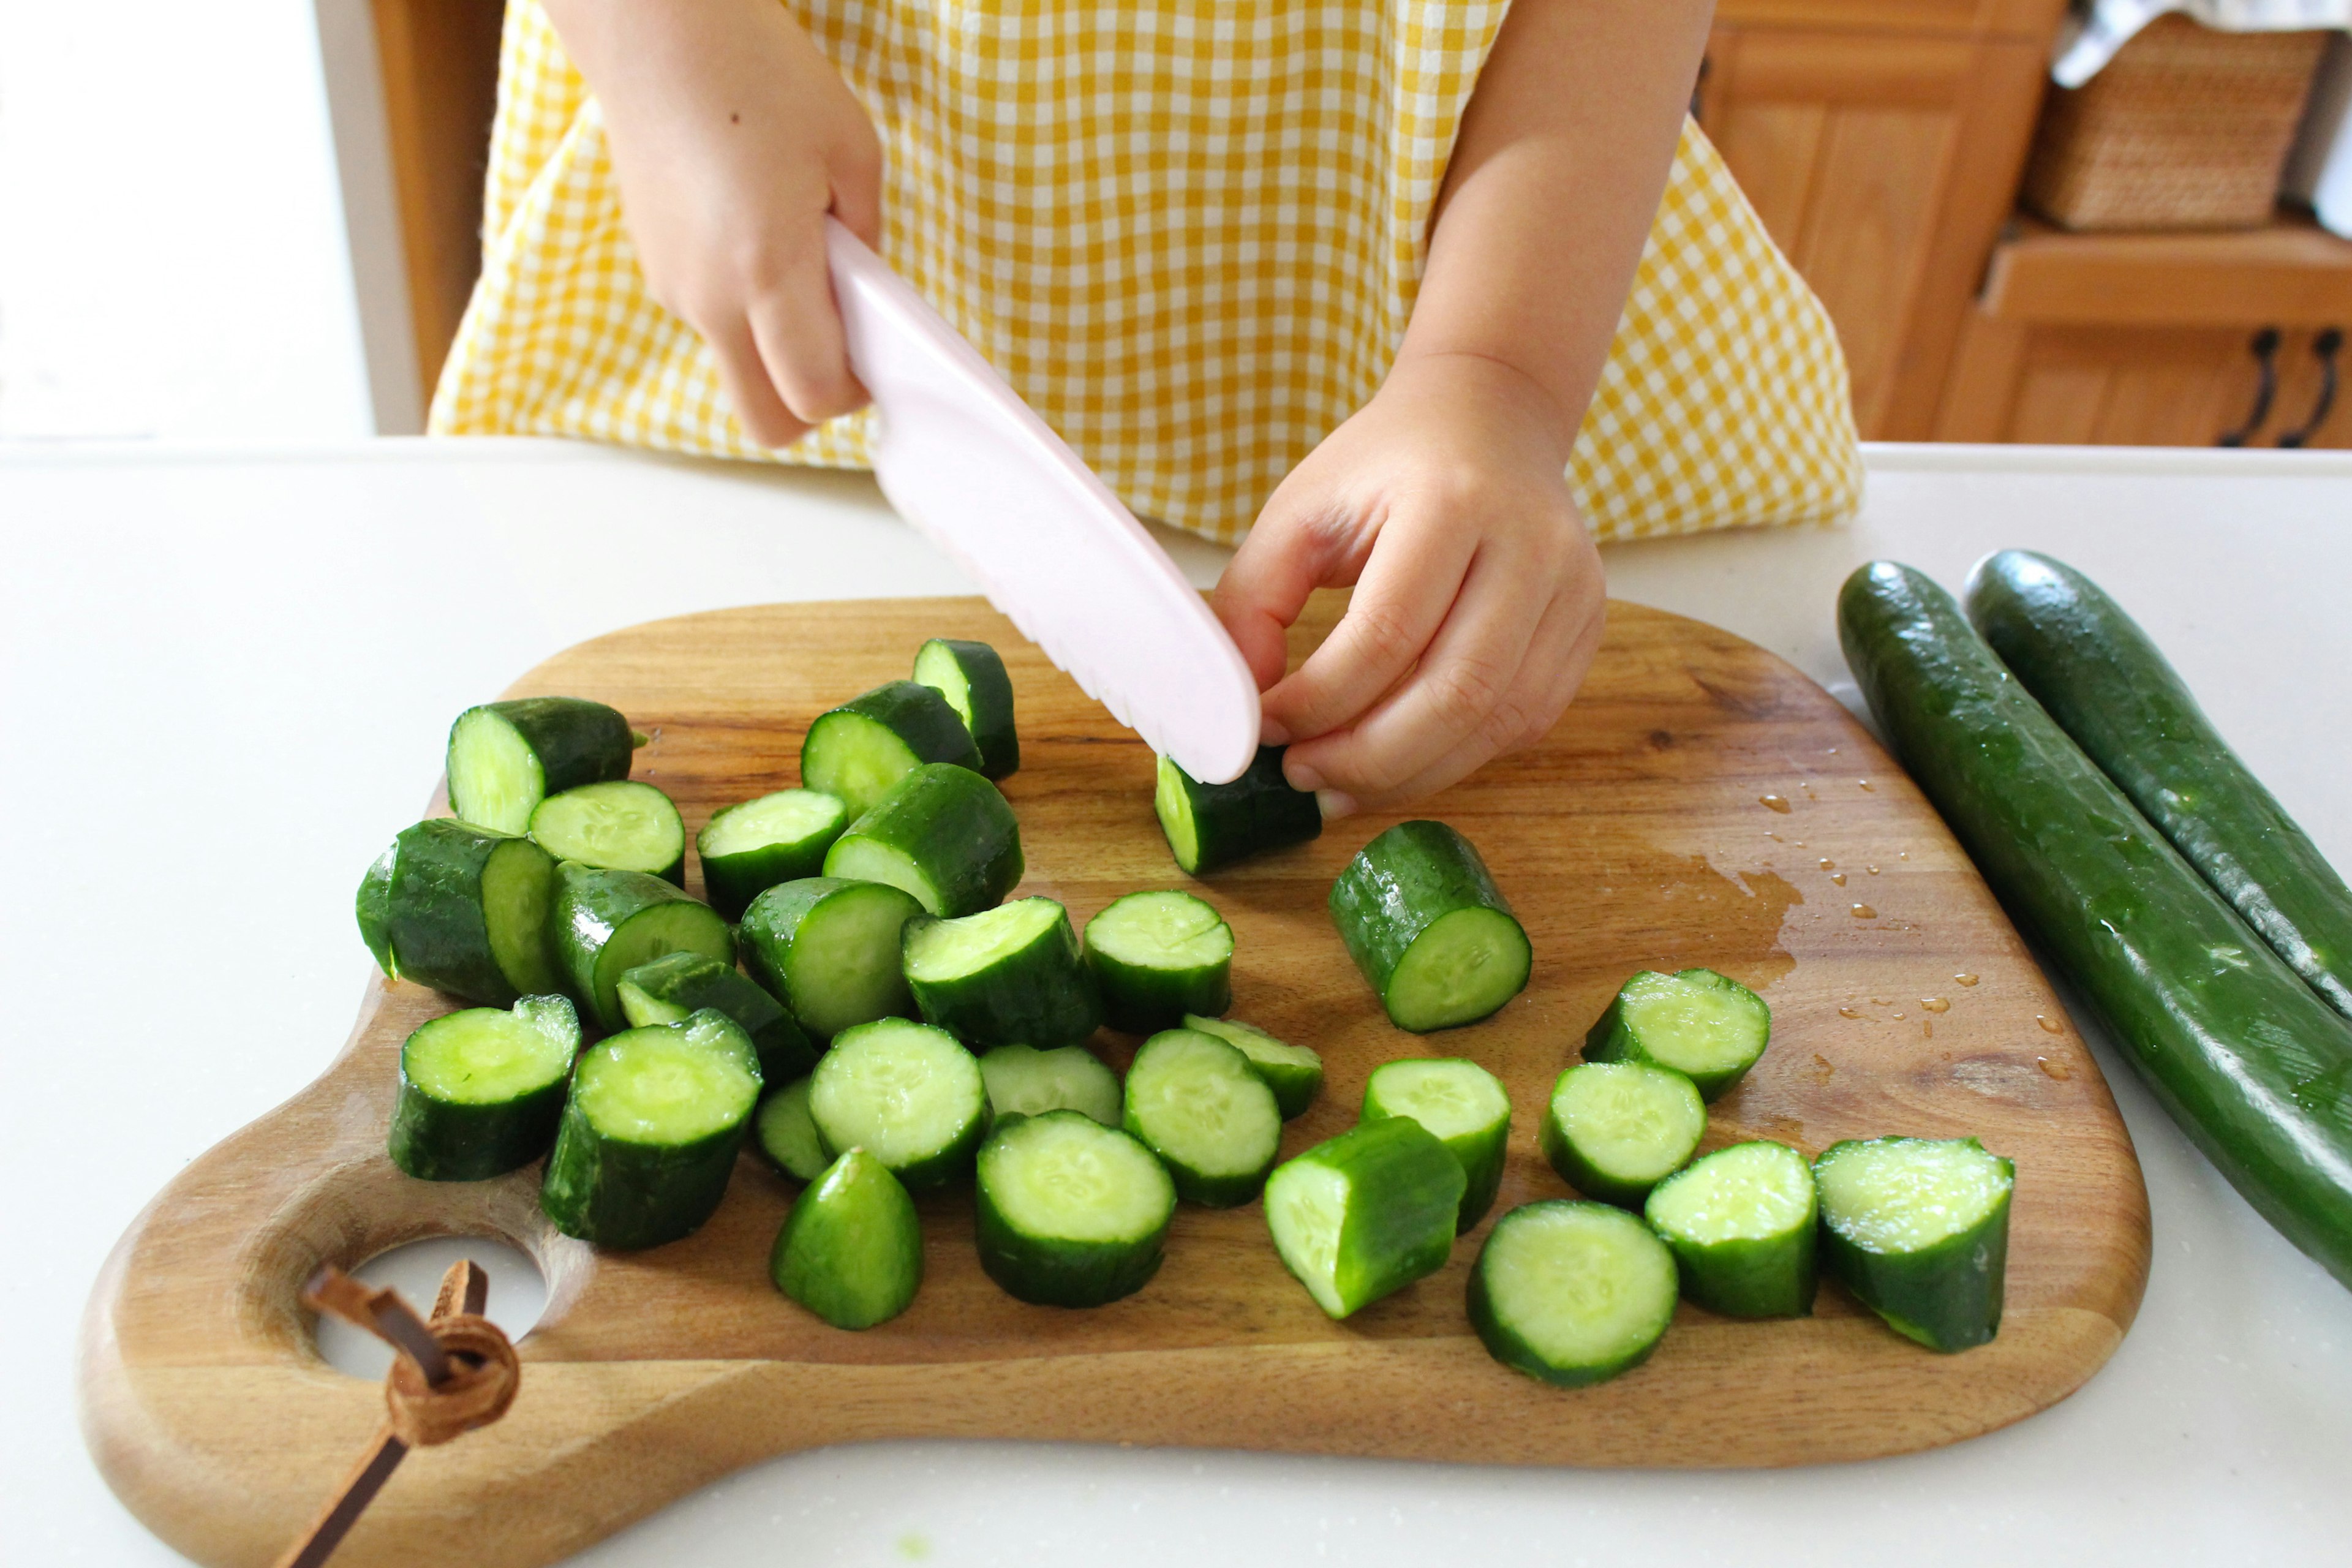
956	949
844	967
495	777
1701	1023
909	1094
787	816
855	759
1572	1293
517	885
1024	1081
1174	805
1195	1102
1463	966
854	859
486	1056
621	825
668	1084
1616	1128
1295	1073
1365	1213
787	1132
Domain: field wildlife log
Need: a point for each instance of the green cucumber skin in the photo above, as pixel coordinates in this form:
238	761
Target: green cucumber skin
577	742
694	981
1256	813
1063	1273
933	730
732	881
1140	1000
373	906
773	920
1947	1297
629	1196
1043	996
1758	1277
1506	1345
851	1250
428	909
589	907
1610	1040
2243	1053
2110	688
1407	1240
1398	886
952	824
1481	1155
993	734
438	1141
1580	1173
1294	1086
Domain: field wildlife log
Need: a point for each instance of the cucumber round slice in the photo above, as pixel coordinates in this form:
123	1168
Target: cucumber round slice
602	924
860	748
1572	1293
1741	1224
1004	976
786	1133
1212	825
1071	1212
942	832
1426	924
678	984
852	1249
1917	1228
1367	1214
971	677
480	1090
623	825
1196	1102
746	849
504	758
463	910
1024	1081
1704	1026
905	1093
830	950
1295	1073
1463	1105
1615	1129
1157	956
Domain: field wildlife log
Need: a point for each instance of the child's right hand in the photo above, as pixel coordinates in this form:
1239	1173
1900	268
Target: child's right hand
731	138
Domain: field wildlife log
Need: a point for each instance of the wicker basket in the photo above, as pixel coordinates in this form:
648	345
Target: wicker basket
2185	127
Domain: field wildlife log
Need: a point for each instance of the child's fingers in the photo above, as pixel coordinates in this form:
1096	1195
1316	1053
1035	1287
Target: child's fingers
744	377
798	327
1265	585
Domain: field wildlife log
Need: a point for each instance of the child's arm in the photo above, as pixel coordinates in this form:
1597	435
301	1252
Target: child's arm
731	137
1478	592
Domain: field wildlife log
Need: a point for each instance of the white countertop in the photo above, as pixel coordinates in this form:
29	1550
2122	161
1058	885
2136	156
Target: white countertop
228	673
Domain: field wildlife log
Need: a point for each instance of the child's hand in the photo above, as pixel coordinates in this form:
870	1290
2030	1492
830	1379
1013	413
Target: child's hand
732	136
1478	592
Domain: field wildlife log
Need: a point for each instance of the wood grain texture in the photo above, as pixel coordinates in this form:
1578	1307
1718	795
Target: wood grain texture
1635	836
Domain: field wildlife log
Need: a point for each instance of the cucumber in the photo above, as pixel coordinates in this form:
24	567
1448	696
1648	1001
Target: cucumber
1212	825
506	757
852	1249
746	849
944	834
1571	1293
1615	1129
1295	1073
856	752
829	950
1157	956
1367	1214
1425	923
1464	1106
650	1132
1071	1212
1704	1026
2239	1048
1196	1102
678	984
971	677
905	1093
480	1090
463	910
1741	1225
1010	976
602	924
1917	1228
1024	1081
2098	675
623	825
786	1133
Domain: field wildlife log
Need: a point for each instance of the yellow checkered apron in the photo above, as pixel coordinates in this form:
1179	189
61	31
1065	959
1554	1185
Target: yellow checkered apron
1188	235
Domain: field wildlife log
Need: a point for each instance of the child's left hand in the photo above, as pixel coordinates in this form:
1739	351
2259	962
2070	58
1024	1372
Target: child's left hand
1478	592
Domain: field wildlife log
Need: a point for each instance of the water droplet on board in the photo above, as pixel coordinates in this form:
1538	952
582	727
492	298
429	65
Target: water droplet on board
1871	870
1867	784
2051	1024
1832	751
2055	1069
1821	1068
1878	1001
1828	864
1778	803
1927	1029
1849	1012
1865	912
1966	979
1935	1004
1838	878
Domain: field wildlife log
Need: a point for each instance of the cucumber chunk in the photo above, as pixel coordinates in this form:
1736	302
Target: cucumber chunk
602	924
1571	1293
1704	1026
463	910
786	1133
1426	924
856	752
1917	1228
1366	1214
1741	1223
504	758
905	1093
1212	825
1197	1103
746	849
829	949
650	1132
624	826
1024	1081
944	834
1007	975
1615	1129
1157	956
971	677
1071	1212
480	1090
852	1249
1295	1073
1463	1105
678	984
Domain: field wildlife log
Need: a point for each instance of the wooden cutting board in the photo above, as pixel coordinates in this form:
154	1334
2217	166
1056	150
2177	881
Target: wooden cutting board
1702	804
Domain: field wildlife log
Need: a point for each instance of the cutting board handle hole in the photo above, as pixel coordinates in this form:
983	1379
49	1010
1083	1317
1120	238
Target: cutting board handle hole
518	1295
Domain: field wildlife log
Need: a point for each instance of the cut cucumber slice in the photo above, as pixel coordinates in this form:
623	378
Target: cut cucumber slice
1918	1230
971	677
860	748
1071	1212
1157	956
1008	976
1463	1105
1367	1214
1024	1081
677	984
746	849
1294	1072
1211	826
650	1132
1426	924
830	950
623	825
1704	1026
1741	1223
905	1093
480	1090
786	1132
1197	1103
1615	1129
1572	1293
506	757
463	910
602	924
852	1249
944	834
